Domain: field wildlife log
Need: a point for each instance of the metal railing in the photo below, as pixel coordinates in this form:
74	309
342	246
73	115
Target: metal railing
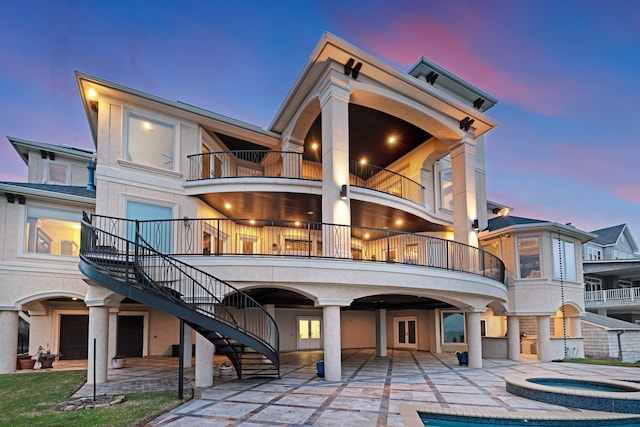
248	237
386	181
252	163
289	164
126	249
618	295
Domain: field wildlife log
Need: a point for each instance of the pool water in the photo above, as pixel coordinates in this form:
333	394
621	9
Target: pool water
580	385
460	421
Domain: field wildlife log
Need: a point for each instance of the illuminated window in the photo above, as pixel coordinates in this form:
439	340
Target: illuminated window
529	253
56	173
150	141
52	231
411	253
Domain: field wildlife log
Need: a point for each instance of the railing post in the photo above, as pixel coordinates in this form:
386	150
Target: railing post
309	238
388	247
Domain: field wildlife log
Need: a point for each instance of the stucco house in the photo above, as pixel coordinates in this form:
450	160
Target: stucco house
357	219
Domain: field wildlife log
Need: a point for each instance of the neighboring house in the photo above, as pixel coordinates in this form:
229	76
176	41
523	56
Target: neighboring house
351	222
609	338
611	264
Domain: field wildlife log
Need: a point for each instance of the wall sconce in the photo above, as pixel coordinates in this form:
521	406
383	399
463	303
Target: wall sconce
475	225
187	221
343	192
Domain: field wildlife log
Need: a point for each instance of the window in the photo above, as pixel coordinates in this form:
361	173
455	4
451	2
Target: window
593	254
592	284
149	141
625	284
390	255
411	253
356	253
157	234
52	231
446	182
56	173
452	327
564	260
247	244
529	253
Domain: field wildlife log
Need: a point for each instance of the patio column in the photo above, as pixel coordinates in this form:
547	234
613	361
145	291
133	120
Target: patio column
544	338
574	327
334	102
98	331
463	172
8	340
381	332
474	339
332	344
113	332
204	361
513	338
188	346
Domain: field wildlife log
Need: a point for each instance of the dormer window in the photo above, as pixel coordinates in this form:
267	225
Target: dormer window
149	140
56	173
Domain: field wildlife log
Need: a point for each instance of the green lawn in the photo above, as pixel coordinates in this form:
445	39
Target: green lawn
604	362
28	399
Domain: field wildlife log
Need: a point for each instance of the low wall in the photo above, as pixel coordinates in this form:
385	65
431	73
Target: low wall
494	347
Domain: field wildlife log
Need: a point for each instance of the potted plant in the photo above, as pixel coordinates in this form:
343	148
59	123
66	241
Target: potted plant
225	370
46	358
463	358
118	361
25	361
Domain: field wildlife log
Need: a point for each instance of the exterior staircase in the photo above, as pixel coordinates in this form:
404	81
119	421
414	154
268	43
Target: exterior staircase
235	323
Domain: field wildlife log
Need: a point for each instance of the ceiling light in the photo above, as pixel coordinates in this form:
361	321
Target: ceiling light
399	222
309	212
297	223
227	205
252	222
363	161
392	139
91	94
147	125
366	235
314	146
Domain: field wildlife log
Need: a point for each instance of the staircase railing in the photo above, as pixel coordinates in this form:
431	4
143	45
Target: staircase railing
137	263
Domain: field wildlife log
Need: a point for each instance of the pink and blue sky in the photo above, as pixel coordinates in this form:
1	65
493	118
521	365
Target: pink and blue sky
567	74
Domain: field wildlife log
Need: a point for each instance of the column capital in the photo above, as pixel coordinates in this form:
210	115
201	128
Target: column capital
340	302
334	86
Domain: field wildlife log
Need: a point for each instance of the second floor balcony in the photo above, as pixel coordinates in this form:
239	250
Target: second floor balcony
288	164
612	297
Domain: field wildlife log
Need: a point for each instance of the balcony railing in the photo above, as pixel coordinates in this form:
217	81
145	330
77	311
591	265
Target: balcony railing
387	181
245	237
252	163
288	164
614	296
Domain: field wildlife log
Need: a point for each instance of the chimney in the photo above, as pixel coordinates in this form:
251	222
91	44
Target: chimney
91	167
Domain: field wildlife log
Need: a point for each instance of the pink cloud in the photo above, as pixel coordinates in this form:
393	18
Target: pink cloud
628	192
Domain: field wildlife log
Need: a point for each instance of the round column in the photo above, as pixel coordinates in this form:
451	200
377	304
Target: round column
204	361
513	338
474	340
332	346
8	340
98	331
544	338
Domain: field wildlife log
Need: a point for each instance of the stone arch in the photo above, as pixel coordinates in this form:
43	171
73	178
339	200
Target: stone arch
38	298
304	118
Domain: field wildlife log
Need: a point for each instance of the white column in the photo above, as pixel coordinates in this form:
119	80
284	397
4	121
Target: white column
204	362
463	173
574	327
513	338
8	340
188	346
474	339
544	338
98	331
381	332
332	345
113	332
334	101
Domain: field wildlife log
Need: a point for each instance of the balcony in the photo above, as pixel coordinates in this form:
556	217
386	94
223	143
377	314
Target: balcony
287	164
612	297
272	238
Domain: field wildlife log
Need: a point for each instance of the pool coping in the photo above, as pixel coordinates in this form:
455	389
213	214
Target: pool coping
410	417
522	380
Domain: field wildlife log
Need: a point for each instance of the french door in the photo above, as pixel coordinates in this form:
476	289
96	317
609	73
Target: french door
405	332
309	333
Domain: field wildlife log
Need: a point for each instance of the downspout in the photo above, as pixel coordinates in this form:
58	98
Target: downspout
91	167
620	346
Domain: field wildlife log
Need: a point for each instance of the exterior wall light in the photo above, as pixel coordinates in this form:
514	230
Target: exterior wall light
475	225
343	192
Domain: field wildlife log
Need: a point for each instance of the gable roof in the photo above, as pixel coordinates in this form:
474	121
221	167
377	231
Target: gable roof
608	322
23	146
609	235
503	221
520	223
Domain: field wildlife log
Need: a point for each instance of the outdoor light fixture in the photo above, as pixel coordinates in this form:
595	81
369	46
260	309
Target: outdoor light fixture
475	225
356	70
478	103
349	68
187	221
466	123
21	199
343	192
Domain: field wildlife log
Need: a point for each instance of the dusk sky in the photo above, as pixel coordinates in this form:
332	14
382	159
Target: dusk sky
566	73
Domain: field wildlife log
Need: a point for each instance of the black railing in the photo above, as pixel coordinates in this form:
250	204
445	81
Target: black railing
126	249
222	236
376	178
252	163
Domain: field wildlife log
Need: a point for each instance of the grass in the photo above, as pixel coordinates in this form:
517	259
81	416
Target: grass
604	362
29	399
